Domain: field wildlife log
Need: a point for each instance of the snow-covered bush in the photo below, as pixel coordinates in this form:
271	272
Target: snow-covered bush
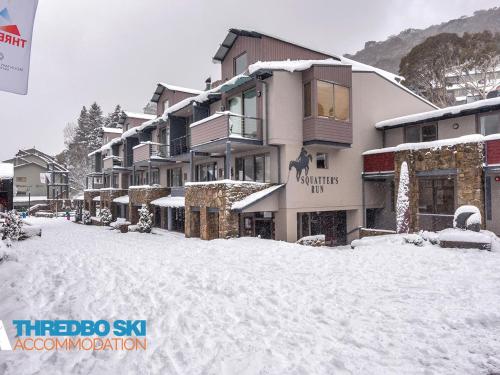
315	241
106	216
403	202
145	220
12	226
467	217
87	219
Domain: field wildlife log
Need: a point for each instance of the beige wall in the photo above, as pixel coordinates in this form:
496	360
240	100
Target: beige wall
32	174
374	99
467	125
285	108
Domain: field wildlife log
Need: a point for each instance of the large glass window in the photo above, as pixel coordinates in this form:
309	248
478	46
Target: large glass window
250	113
307	100
490	124
325	99
240	63
236	107
206	172
421	133
321	160
342	100
253	168
333	101
174	177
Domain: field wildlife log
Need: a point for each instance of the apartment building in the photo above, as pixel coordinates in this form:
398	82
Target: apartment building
453	155
273	149
39	179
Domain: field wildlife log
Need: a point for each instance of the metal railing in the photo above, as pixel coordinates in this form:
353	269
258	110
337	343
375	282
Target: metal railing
179	146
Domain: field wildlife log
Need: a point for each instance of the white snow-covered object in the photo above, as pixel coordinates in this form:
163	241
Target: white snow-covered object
6	171
255	197
403	201
169	201
459	235
124	199
462	215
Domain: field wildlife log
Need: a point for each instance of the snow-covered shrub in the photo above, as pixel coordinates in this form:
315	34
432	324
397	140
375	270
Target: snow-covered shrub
106	216
315	241
403	202
462	216
145	220
87	219
12	226
414	239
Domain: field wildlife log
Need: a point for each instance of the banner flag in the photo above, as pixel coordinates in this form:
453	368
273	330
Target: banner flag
16	30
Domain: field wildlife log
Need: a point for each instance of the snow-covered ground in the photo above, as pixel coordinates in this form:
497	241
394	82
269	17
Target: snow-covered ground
249	306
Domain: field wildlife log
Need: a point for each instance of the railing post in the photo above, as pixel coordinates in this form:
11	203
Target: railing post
191	165
149	172
228	160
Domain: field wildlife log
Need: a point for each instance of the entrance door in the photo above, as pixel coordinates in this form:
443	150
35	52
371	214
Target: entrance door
264	228
436	203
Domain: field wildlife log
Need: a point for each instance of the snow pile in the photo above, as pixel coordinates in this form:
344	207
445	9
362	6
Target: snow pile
250	306
460	235
316	241
6	171
124	199
179	88
403	201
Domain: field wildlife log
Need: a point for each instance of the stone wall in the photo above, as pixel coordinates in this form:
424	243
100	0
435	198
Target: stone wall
466	158
144	195
89	204
219	196
107	196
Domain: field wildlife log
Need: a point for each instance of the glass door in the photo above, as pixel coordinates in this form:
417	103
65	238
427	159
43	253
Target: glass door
250	112
235	123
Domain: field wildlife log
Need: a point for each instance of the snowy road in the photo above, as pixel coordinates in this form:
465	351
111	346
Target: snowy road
252	306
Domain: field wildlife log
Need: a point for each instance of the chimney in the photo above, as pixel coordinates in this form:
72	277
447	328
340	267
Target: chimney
208	83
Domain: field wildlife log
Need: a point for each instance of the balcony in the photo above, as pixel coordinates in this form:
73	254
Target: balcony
378	163
150	151
112	161
212	133
179	146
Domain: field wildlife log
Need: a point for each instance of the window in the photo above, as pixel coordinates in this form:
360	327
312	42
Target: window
436	196
490	124
325	99
174	177
240	63
333	101
253	168
244	104
206	172
321	160
421	133
307	100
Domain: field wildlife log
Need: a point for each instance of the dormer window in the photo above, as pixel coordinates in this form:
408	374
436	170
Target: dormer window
240	63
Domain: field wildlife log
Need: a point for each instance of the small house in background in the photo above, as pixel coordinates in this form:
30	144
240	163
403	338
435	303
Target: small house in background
6	186
39	180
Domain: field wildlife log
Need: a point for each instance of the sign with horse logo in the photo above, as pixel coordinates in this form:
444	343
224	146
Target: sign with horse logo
316	183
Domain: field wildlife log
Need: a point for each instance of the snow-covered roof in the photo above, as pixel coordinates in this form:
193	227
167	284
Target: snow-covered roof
254	197
112	130
471	138
139	115
124	199
300	65
6	170
107	146
79	197
179	88
438	114
169	202
26	198
97	199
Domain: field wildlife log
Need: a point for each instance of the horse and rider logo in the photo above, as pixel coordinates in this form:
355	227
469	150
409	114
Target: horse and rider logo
301	164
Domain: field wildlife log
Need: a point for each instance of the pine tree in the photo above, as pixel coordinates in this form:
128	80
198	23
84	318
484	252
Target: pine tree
145	220
95	124
112	119
12	227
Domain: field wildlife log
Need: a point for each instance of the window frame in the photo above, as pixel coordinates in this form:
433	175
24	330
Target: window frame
325	160
240	162
482	115
420	128
244	53
304	115
333	85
